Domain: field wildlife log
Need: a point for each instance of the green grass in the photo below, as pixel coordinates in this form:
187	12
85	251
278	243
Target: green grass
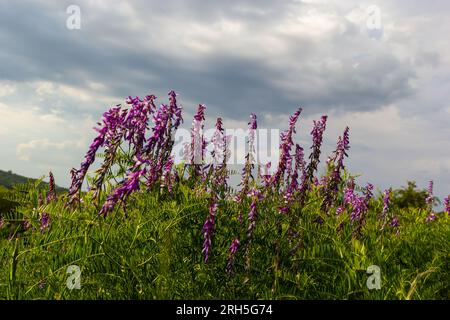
8	180
155	253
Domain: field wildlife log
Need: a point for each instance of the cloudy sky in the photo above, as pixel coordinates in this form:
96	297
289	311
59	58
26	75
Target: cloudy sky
388	79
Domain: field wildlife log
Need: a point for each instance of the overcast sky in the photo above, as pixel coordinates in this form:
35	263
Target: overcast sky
389	83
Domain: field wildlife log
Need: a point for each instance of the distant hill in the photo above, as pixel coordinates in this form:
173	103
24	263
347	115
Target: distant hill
8	179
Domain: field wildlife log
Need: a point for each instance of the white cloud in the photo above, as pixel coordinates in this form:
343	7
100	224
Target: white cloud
27	150
44	87
6	89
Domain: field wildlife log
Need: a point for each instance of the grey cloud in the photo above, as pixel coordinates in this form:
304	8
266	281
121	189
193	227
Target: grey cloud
40	47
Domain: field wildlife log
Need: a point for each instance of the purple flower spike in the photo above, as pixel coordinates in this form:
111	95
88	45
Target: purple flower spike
386	201
251	137
318	130
430	202
431	217
208	228
198	142
111	122
317	136
219	143
246	175
368	192
299	167
256	196
51	196
176	110
349	195
447	205
166	179
430	198
232	256
285	149
121	193
45	221
394	222
26	224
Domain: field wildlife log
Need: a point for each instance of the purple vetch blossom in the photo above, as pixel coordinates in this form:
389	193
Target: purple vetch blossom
336	164
128	186
349	195
220	155
431	217
218	142
232	256
256	197
360	204
160	119
359	207
237	198
343	145
430	201
447	205
285	149
323	182
26	224
430	198
40	202
396	225
316	182
252	126
246	175
317	137
89	159
110	122
368	192
288	170
339	210
394	222
299	167
116	131
173	119
208	228
187	152
386	201
45	221
51	196
234	246
287	198
73	179
318	130
198	143
292	179
42	284
176	110
136	121
266	176
166	179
